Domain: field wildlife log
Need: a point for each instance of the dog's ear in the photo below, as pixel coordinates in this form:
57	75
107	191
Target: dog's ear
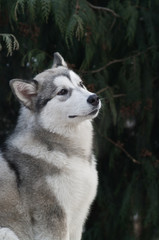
25	91
58	60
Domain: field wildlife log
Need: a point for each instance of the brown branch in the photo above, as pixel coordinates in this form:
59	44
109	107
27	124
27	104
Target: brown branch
102	90
123	150
105	66
103	9
119	95
114	96
117	61
119	145
112	25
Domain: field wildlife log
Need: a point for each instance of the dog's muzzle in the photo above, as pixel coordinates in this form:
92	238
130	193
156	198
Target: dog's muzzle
94	101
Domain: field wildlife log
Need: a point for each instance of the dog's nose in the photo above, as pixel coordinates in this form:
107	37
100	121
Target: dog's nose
93	99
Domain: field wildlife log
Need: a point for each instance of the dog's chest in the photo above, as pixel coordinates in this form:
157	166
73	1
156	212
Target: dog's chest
75	187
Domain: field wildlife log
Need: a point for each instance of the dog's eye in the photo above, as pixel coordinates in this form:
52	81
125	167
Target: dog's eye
62	92
81	84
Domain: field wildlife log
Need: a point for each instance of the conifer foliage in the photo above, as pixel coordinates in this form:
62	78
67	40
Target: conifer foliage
114	46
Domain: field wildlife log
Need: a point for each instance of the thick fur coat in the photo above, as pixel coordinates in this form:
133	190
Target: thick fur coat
48	176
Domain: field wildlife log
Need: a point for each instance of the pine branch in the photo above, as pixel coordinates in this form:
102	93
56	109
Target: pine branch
46	8
19	3
104	9
11	42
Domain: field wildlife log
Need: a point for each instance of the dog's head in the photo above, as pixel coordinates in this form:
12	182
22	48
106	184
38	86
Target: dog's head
57	96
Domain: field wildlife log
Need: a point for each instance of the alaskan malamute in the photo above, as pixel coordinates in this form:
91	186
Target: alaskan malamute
48	176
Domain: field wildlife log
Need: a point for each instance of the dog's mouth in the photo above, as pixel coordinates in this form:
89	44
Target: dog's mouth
91	113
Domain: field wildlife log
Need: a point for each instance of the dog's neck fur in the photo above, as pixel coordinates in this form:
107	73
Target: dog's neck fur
76	137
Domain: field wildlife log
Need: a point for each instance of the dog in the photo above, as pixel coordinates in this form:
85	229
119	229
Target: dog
48	176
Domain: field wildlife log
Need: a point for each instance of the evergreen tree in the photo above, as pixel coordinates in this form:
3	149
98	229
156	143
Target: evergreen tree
113	45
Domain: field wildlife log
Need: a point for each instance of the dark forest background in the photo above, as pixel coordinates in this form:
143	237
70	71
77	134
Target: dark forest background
114	46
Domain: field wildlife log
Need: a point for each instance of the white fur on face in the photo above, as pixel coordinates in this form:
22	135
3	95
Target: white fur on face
6	233
57	111
74	77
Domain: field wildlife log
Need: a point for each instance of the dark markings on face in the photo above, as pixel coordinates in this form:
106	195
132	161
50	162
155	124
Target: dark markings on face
66	96
46	94
81	85
49	90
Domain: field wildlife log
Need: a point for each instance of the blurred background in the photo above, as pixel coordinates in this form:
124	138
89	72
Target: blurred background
114	46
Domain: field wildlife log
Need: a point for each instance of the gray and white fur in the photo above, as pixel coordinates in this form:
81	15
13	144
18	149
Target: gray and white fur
48	176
